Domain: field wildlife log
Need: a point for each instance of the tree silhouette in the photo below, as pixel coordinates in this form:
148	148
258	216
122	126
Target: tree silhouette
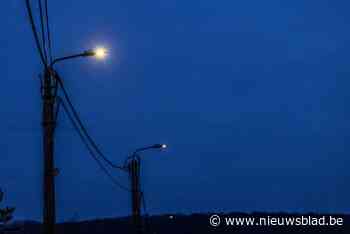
6	214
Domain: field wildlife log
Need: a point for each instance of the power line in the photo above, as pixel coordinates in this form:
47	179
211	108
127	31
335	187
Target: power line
48	31
43	32
83	128
35	33
102	167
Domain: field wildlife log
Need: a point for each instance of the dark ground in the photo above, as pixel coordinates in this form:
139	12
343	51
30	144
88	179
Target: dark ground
186	224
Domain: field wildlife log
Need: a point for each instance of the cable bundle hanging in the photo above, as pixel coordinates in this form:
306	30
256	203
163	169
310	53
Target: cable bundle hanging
87	140
43	31
83	128
44	46
35	34
48	31
86	144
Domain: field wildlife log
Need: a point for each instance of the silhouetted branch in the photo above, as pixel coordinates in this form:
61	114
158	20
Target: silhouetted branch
6	214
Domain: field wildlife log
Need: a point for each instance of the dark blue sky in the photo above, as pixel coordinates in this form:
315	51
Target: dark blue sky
251	97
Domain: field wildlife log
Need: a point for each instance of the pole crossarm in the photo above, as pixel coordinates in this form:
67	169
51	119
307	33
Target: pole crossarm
84	54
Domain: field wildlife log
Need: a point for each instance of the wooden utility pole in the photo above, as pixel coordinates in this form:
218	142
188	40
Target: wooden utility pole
48	150
134	170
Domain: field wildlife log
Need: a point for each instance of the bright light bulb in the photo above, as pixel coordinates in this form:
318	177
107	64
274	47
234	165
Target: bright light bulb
100	52
164	146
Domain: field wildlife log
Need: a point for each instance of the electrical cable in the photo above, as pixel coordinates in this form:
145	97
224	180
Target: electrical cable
35	33
76	127
83	128
43	32
48	31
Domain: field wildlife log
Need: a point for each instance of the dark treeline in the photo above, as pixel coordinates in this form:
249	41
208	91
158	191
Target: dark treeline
182	224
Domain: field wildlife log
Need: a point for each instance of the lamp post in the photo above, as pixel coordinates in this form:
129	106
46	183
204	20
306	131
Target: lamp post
133	167
49	123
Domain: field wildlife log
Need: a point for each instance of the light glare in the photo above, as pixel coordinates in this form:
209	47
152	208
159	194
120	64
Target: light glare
100	52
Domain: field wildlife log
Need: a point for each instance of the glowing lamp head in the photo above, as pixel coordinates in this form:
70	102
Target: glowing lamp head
100	53
160	146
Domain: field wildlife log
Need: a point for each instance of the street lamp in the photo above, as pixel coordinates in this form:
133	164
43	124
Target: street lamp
155	146
49	91
99	53
133	167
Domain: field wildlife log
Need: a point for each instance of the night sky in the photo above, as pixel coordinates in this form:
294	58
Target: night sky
251	97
